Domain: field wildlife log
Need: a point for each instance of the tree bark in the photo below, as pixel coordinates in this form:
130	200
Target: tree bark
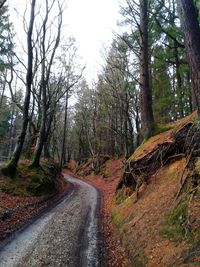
147	118
45	77
63	151
10	169
178	81
189	21
2	2
39	146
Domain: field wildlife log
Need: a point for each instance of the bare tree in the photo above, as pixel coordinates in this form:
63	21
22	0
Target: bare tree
10	169
2	2
46	67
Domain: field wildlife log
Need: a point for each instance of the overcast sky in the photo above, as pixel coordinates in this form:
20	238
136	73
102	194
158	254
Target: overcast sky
91	22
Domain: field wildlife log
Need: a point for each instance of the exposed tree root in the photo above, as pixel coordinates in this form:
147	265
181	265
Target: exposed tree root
183	142
184	175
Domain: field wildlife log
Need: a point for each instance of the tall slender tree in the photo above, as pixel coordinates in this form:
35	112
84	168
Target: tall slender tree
147	117
188	14
10	169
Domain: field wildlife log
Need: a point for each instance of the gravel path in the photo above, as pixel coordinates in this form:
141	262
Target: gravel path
66	236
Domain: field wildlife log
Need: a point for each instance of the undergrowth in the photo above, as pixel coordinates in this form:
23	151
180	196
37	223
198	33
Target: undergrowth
30	181
117	221
138	258
175	223
122	195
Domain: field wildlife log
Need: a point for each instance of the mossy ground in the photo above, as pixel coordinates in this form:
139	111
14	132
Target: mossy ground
122	195
29	181
175	223
138	258
161	128
117	221
156	227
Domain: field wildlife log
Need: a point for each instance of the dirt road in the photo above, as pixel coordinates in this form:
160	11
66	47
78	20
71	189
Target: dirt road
66	236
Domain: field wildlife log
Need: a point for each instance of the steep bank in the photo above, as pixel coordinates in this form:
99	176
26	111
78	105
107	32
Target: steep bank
158	201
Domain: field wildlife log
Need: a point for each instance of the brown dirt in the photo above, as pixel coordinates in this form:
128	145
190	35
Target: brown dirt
140	221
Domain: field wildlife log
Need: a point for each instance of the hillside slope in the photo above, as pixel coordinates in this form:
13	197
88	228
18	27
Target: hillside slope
158	199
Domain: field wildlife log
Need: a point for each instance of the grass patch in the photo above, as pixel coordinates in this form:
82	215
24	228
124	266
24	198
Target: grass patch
117	221
160	128
174	225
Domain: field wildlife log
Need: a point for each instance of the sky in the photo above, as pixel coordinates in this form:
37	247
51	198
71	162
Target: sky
91	22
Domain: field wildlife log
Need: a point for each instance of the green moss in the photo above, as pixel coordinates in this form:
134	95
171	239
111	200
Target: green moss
138	258
15	187
5	189
197	193
42	181
174	225
197	123
117	221
9	170
106	172
159	128
31	181
122	195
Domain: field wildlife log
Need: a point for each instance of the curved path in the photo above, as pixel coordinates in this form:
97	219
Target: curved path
66	236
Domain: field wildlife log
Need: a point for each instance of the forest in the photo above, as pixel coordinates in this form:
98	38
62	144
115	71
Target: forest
145	83
149	80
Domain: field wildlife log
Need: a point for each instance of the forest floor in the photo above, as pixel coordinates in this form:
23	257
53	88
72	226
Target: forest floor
19	208
159	224
146	240
114	254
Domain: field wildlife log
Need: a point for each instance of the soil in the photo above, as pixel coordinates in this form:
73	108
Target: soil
140	222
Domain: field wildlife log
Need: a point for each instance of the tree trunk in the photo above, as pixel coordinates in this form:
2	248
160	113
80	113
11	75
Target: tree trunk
39	146
189	21
10	169
43	134
178	81
147	118
63	151
11	133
